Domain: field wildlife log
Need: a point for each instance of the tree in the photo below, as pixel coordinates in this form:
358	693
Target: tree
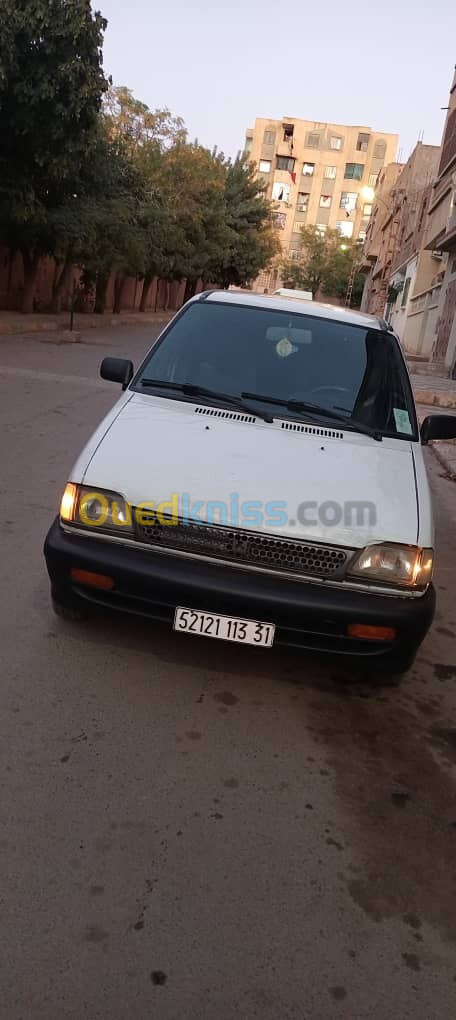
130	119
114	239
324	264
252	241
51	87
193	186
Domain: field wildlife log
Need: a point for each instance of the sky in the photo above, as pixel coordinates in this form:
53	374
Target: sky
387	65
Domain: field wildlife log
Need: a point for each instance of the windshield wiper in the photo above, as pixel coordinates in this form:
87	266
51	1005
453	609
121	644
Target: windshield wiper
193	390
317	409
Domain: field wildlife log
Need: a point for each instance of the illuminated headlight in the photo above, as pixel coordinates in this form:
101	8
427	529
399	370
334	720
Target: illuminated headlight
390	563
96	508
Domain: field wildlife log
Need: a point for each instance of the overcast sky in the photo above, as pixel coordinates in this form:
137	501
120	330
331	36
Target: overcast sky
386	64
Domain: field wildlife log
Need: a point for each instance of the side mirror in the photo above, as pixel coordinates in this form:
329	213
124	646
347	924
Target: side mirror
117	370
438	426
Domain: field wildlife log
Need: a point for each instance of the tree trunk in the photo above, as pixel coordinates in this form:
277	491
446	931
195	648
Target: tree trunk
31	263
101	287
61	282
118	291
190	289
11	255
148	279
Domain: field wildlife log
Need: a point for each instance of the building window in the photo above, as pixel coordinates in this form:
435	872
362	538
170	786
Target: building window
265	166
321	228
303	201
308	169
313	140
280	192
293	253
330	172
285	163
367	209
325	201
380	149
345	228
348	200
297	227
288	132
373	178
248	143
335	142
362	236
362	144
354	171
279	220
269	138
405	291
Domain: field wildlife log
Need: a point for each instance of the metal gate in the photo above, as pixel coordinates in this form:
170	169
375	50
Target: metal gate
446	322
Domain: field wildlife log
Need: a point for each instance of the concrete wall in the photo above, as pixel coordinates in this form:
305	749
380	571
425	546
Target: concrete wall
163	294
450	276
421	326
399	311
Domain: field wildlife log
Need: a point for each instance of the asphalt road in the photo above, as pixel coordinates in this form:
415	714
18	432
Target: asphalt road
193	830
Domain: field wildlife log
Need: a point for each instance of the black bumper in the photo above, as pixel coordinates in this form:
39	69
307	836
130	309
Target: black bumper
306	615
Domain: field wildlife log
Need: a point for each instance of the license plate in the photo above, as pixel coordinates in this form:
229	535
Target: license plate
226	628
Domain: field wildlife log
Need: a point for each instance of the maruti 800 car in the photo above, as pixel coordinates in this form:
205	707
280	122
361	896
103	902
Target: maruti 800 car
260	480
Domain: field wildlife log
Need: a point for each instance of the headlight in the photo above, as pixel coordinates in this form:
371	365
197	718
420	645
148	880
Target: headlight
96	508
391	563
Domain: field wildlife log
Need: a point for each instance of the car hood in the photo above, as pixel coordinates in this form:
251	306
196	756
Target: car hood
357	490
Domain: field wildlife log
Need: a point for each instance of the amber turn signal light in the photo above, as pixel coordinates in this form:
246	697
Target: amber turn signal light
93	580
370	633
68	503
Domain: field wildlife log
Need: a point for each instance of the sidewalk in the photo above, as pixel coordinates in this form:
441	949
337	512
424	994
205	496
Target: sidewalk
446	455
16	324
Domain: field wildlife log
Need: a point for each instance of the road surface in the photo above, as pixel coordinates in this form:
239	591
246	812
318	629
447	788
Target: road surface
202	832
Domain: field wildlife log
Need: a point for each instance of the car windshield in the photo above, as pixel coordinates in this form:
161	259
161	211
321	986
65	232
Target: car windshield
274	356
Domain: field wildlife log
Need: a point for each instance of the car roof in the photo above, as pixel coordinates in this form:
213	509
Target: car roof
316	309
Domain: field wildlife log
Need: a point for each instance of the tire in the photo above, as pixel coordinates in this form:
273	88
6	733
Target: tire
73	613
392	671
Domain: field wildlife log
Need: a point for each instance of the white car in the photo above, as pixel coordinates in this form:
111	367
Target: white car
261	480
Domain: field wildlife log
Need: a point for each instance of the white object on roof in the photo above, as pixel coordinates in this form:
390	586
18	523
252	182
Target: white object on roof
301	295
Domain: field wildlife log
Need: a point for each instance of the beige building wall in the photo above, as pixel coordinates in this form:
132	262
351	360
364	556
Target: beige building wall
380	241
441	236
314	172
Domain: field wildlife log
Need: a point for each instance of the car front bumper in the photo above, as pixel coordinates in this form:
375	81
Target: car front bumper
313	616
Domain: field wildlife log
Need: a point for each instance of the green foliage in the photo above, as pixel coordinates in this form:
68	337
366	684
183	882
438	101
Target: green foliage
51	87
91	175
324	264
130	119
252	242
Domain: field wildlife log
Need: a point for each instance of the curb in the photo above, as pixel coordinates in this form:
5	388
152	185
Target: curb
58	326
436	398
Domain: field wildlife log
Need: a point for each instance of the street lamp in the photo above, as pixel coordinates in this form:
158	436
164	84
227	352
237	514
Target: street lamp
367	193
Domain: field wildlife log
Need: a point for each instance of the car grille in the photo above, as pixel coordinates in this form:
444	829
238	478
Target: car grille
246	548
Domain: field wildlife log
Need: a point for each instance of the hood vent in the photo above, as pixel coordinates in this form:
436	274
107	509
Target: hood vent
215	412
312	430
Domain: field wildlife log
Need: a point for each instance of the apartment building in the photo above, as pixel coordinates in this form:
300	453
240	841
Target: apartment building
404	279
415	273
381	241
440	236
314	174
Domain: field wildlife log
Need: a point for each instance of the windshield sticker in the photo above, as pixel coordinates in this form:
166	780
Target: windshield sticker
402	420
284	348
